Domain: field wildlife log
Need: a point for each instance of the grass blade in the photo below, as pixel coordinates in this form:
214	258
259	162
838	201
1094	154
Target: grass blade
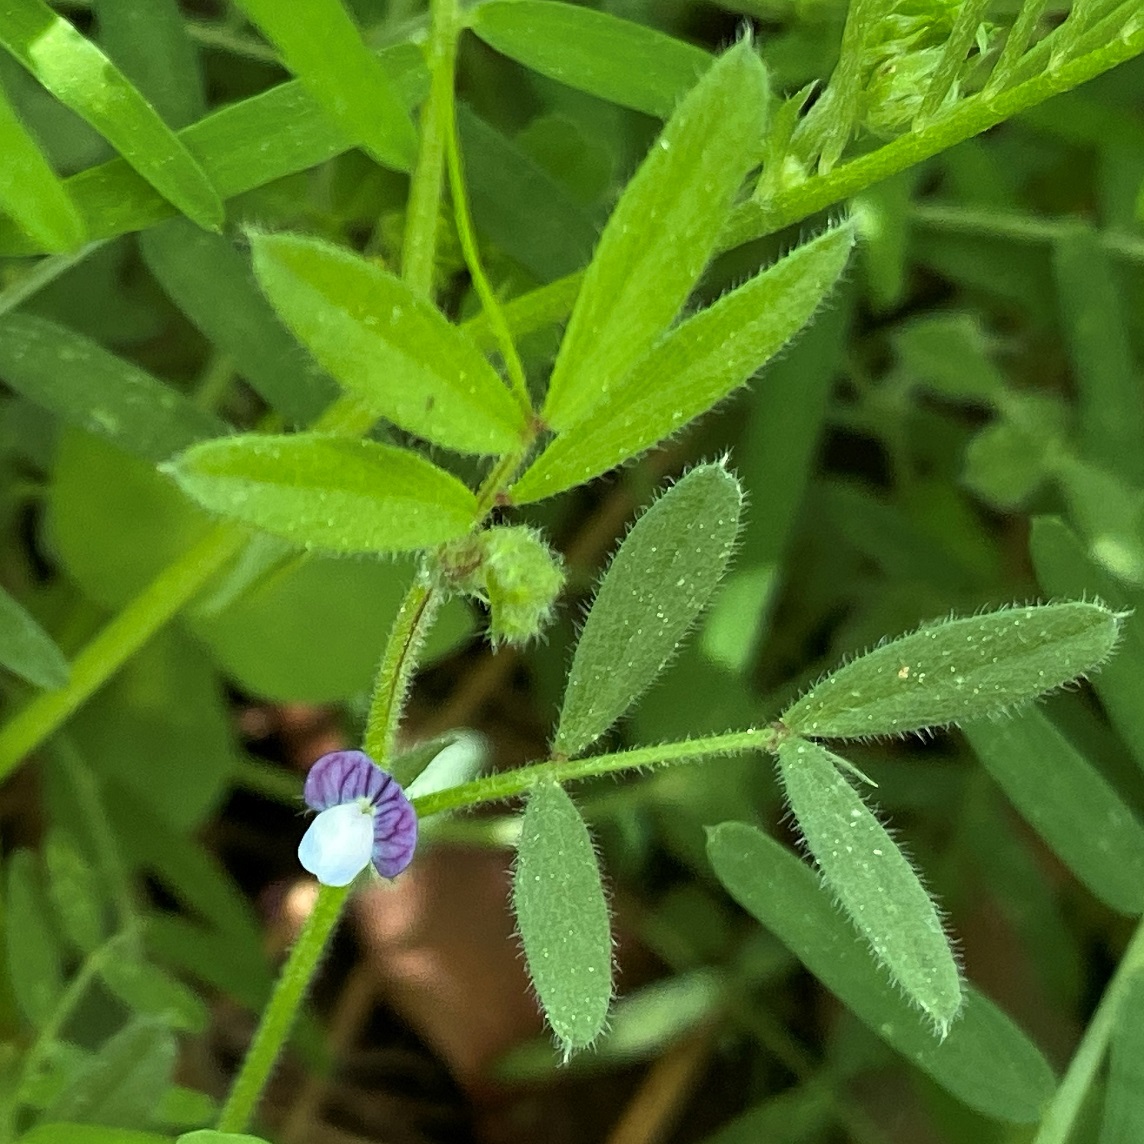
1068	802
31	192
27	650
596	52
85	385
986	1061
81	77
324	49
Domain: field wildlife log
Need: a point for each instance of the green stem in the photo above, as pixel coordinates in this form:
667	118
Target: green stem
507	784
120	639
46	270
398	663
465	232
415	616
971	117
1060	1118
282	1011
419	250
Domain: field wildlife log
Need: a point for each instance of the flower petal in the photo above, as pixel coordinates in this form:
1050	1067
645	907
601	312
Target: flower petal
338	844
394	831
342	776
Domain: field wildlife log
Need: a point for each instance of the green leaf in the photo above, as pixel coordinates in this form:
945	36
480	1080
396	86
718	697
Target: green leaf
243	145
30	191
1010	459
123	1083
322	47
1109	514
393	350
693	368
1110	403
1065	569
1124	1095
985	1061
144	521
185	1107
659	581
81	77
151	992
872	880
148	39
563	917
327	492
1068	802
661	235
954	670
34	958
948	354
86	386
76	890
213	285
596	52
57	1133
26	649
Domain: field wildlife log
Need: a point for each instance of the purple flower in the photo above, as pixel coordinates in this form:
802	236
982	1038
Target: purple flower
363	816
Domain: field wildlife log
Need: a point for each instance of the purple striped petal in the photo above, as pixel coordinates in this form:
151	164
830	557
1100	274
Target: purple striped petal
342	776
394	831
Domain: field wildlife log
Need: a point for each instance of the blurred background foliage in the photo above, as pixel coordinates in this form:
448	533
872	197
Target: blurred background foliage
962	427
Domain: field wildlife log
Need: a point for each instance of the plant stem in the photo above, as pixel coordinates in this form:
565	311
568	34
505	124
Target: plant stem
282	1011
507	784
46	270
415	616
419	250
971	117
489	303
398	663
120	639
1060	1118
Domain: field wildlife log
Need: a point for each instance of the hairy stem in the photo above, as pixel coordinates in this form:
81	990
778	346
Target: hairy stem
467	235
971	117
398	663
420	248
415	616
508	784
282	1011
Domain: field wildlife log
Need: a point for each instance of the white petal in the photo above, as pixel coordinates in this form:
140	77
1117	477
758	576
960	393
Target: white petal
338	844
